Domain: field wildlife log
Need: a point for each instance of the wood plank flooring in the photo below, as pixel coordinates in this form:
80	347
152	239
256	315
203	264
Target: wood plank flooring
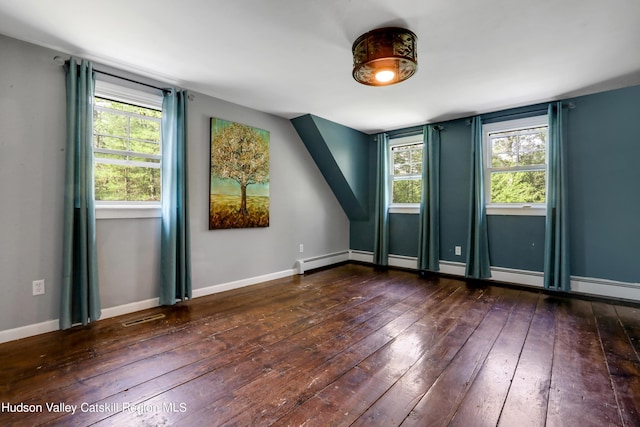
338	347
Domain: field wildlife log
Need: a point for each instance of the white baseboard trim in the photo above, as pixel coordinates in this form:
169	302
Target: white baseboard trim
520	277
609	288
29	330
307	264
399	261
453	268
222	287
132	307
402	261
582	285
361	256
499	274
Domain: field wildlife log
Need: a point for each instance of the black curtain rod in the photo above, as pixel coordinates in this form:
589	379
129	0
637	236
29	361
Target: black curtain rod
491	117
61	61
163	89
495	116
414	130
400	133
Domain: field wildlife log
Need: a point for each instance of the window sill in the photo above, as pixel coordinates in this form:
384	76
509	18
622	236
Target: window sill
128	211
519	210
404	209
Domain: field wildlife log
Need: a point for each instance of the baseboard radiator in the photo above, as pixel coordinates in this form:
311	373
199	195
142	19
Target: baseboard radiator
312	263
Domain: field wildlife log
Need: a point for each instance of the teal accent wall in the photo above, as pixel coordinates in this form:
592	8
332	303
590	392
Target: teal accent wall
603	148
361	231
404	240
604	177
455	177
516	241
342	155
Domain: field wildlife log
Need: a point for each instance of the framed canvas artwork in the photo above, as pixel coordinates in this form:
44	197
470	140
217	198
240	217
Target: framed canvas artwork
239	181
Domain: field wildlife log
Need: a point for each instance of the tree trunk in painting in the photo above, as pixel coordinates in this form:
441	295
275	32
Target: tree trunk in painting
243	202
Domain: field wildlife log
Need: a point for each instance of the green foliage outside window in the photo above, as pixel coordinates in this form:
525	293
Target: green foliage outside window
127	183
518	187
407	173
407	191
518	162
127	152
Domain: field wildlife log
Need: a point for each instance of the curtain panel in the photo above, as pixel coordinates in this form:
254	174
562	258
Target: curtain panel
478	265
381	235
80	297
175	250
429	231
556	247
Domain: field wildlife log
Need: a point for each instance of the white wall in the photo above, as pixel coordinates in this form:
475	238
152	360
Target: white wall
32	158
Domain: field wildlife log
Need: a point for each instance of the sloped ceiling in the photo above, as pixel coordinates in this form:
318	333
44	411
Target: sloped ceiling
342	155
293	57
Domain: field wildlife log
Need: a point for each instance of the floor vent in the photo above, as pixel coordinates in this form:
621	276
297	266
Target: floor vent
145	319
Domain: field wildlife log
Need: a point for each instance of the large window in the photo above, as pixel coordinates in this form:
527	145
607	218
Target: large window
405	172
127	146
516	166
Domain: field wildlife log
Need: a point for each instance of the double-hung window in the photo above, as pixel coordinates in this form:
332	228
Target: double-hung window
127	151
405	174
516	166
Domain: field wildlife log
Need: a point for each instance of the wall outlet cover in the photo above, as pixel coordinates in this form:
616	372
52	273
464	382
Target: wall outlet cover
38	287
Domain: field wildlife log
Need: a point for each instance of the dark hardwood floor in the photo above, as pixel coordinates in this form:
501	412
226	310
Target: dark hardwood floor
344	346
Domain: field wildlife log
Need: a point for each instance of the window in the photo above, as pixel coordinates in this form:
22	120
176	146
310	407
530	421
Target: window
127	147
405	174
516	166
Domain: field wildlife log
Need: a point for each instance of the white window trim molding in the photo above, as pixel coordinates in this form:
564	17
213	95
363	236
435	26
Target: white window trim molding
149	99
127	210
517	209
520	209
402	208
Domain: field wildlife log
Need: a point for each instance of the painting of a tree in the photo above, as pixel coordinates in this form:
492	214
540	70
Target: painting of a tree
239	195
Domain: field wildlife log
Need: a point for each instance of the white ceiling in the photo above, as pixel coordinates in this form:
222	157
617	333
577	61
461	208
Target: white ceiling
292	57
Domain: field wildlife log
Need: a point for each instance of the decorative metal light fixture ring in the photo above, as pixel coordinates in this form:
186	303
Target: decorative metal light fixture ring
385	56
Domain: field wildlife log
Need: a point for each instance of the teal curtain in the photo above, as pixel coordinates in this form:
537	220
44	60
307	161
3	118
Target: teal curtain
381	235
478	266
429	232
80	297
175	247
556	245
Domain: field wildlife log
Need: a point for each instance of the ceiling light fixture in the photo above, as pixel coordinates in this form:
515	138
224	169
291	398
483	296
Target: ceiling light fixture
385	56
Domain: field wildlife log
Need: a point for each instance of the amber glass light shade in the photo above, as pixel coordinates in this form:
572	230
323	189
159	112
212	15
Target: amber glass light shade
385	56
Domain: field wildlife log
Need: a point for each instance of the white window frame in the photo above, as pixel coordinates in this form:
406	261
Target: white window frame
106	209
530	209
404	208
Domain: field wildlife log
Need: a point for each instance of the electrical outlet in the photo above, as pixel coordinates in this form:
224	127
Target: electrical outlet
38	287
458	250
301	248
